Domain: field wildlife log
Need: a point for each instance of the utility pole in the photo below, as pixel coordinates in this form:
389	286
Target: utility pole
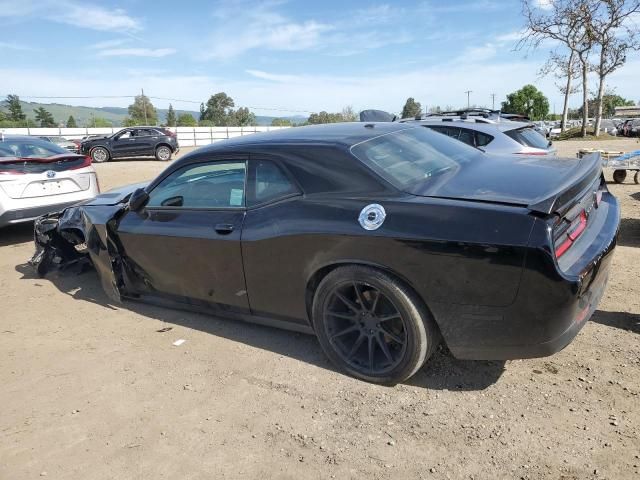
468	92
144	105
493	101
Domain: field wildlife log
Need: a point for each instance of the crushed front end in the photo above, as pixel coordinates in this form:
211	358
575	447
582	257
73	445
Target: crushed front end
81	235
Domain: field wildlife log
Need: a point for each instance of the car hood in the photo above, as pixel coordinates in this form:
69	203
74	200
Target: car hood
115	196
539	183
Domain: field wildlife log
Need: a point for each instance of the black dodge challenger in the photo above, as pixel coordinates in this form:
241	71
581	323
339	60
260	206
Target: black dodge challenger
382	239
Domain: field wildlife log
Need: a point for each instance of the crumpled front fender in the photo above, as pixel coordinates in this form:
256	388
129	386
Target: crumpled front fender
78	234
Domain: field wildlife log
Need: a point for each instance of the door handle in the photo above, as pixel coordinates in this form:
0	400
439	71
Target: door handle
224	228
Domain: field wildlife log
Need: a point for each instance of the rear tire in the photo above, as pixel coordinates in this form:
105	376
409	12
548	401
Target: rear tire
100	155
619	176
163	153
371	325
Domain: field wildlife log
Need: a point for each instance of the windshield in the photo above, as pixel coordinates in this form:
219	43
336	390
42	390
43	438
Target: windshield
528	137
415	159
29	148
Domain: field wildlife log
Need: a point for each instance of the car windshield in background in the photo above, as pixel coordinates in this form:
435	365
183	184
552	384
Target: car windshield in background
409	159
31	148
528	137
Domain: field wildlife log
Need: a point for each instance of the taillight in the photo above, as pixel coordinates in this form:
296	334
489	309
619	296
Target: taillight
570	234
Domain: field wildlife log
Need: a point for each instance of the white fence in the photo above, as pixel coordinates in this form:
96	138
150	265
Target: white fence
187	136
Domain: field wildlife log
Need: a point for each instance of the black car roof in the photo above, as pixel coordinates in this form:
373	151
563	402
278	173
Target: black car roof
344	134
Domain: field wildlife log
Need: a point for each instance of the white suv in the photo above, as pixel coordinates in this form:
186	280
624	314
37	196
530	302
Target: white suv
39	177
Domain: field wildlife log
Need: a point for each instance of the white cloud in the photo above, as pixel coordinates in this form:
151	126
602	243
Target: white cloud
263	27
16	46
431	84
108	44
72	12
137	52
272	76
544	4
510	36
95	17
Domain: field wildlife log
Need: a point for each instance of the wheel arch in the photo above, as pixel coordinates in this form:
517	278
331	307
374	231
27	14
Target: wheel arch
164	144
321	272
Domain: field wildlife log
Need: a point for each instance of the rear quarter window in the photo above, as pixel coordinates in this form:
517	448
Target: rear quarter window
528	137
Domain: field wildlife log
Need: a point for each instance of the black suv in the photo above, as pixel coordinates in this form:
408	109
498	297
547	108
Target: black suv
132	142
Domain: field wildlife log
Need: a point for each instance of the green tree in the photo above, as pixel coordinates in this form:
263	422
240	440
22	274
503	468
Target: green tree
281	122
14	106
44	117
205	123
219	109
71	122
609	103
348	115
137	109
411	108
243	118
99	122
171	117
325	117
186	120
527	101
130	122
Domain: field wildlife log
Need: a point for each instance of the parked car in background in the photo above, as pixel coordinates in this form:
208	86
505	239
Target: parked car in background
157	142
38	177
501	136
631	127
70	145
380	238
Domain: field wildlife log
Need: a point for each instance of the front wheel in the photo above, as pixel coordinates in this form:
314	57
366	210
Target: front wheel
100	155
371	326
163	153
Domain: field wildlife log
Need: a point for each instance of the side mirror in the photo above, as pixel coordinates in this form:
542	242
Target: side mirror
138	200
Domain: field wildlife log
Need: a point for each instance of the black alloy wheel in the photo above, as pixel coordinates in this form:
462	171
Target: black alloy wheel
371	325
365	327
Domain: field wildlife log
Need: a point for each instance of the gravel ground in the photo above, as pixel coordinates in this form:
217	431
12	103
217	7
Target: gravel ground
95	390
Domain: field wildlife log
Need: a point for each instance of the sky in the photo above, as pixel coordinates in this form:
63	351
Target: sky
278	57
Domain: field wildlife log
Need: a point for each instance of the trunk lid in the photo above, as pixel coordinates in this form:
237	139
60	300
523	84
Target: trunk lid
41	177
542	184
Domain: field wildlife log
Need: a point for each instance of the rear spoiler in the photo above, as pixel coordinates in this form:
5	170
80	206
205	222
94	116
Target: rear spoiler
580	179
51	159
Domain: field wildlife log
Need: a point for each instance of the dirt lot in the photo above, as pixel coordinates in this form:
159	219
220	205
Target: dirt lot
91	390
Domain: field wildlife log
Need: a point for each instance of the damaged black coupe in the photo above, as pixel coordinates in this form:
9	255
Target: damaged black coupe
383	239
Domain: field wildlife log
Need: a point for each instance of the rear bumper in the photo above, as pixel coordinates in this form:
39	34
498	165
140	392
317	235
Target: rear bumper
29	214
550	309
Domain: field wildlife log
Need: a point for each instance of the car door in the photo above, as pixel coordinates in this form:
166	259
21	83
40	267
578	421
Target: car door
186	241
122	143
144	141
272	209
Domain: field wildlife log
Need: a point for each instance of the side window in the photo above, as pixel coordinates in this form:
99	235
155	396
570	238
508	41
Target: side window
268	182
438	129
466	136
203	185
124	135
483	139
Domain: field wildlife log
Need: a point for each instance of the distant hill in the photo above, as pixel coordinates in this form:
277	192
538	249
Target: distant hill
116	115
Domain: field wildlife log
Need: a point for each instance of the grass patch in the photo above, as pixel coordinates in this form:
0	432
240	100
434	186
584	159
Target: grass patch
575	134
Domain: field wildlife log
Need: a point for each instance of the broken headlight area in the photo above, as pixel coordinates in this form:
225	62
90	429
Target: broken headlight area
83	236
57	248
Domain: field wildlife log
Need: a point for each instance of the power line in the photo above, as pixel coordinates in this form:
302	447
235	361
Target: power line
196	102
